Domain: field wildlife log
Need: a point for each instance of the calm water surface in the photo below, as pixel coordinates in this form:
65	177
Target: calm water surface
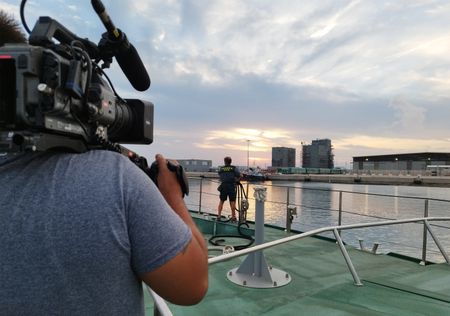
318	204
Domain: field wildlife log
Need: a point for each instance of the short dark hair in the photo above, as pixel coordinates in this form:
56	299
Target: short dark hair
227	160
10	31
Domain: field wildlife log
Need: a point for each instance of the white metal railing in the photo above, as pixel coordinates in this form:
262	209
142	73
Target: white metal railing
160	307
336	230
340	210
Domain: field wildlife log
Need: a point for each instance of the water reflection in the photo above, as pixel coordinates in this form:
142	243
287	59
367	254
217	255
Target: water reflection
318	206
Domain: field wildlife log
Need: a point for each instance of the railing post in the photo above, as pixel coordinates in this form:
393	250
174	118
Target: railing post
340	211
160	307
200	196
288	215
246	189
350	266
437	242
425	234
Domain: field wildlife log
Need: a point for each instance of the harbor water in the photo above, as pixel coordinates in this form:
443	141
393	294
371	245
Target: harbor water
318	205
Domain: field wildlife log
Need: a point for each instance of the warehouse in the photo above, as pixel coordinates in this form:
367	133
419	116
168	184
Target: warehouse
432	162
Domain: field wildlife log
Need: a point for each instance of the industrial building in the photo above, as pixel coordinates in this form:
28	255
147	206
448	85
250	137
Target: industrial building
428	161
195	165
283	157
318	155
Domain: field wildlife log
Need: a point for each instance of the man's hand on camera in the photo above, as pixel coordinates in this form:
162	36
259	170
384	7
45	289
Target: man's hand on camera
167	180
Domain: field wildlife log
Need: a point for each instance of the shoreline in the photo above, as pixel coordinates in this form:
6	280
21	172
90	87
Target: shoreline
424	181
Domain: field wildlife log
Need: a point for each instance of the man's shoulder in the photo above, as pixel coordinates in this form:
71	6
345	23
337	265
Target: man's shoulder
94	162
107	154
99	157
105	161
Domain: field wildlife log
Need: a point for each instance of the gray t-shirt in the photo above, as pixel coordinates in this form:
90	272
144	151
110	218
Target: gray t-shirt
75	232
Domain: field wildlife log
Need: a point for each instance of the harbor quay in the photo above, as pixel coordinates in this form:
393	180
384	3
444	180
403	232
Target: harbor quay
438	181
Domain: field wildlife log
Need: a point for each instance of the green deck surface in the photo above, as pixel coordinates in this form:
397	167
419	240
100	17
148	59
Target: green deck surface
322	284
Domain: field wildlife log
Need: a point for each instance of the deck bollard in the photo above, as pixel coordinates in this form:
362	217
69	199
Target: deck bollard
254	272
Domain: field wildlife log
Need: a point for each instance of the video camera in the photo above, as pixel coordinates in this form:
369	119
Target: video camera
54	94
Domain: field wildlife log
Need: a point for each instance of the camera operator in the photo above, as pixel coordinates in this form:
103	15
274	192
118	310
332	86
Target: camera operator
80	232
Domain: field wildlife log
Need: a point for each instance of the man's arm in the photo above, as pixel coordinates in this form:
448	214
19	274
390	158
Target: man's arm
183	280
237	174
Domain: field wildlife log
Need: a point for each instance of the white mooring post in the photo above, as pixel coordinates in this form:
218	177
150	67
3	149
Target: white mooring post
254	271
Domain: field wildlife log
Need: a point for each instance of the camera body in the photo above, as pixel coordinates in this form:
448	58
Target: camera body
54	95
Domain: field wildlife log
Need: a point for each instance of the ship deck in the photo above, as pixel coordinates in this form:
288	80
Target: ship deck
322	284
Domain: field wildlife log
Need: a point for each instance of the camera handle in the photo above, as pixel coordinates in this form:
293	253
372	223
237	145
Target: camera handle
152	172
47	28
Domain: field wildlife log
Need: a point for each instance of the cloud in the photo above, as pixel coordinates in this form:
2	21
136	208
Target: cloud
408	115
385	144
10	8
332	22
281	72
242	139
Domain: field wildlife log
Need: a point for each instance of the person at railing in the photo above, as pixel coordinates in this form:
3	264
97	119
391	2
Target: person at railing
79	232
229	175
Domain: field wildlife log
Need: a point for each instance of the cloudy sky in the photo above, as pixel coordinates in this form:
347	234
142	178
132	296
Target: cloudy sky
373	76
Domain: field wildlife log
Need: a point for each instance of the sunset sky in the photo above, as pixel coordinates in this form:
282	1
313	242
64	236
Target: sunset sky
372	76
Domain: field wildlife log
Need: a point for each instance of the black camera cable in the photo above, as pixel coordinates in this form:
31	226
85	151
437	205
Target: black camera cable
241	201
22	16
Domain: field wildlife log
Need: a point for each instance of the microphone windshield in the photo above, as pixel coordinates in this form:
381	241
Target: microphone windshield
133	68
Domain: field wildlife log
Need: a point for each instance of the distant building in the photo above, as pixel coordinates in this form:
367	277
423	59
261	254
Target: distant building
283	157
318	155
413	161
195	165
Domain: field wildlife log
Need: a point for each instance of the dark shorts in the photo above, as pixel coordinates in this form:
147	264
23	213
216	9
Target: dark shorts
228	191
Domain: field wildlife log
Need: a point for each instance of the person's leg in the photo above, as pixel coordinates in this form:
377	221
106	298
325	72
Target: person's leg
233	209
232	197
223	198
219	209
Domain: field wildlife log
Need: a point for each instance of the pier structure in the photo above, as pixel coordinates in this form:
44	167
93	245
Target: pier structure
352	178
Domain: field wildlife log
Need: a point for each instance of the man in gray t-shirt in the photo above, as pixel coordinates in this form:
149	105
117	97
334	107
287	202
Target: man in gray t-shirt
79	232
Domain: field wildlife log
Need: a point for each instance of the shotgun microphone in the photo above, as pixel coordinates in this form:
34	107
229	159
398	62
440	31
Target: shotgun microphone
125	53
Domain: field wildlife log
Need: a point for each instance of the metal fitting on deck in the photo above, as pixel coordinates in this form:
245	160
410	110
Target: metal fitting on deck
374	247
260	193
